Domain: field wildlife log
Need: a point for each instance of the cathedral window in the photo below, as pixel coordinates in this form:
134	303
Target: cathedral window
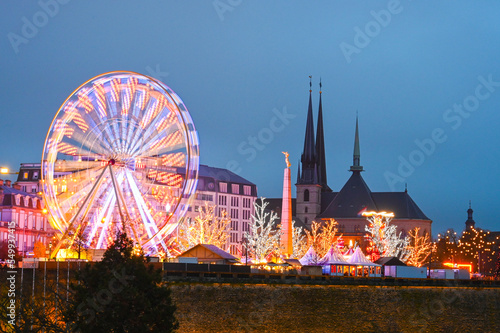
306	209
306	195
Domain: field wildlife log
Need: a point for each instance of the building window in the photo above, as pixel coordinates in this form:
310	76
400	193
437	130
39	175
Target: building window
223	187
233	237
356	228
246	202
234	202
246	226
306	195
35	174
305	220
233	249
234	213
247	190
234	225
196	208
25	175
222	200
246	214
306	209
235	189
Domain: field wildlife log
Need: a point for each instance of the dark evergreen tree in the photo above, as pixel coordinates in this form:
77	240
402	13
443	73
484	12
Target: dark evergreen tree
121	294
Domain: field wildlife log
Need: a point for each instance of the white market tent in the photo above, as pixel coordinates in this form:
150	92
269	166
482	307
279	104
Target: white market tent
310	258
334	263
362	266
333	256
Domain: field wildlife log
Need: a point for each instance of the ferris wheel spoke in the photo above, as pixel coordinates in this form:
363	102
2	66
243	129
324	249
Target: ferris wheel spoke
108	201
161	142
147	220
153	129
106	227
84	205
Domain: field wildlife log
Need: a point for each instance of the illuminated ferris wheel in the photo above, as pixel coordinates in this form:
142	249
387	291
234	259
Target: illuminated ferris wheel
121	154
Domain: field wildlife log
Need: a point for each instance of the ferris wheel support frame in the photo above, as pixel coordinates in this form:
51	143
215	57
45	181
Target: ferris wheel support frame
73	219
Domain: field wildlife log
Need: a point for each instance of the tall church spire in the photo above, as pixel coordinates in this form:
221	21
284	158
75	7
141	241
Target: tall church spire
356	158
308	157
320	147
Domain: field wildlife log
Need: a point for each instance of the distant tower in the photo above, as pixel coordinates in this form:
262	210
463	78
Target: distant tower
470	223
356	158
308	187
320	148
286	212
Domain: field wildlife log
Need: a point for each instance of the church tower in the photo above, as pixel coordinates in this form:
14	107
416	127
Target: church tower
470	223
308	202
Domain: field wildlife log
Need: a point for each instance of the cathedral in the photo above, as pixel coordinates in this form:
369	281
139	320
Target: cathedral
316	201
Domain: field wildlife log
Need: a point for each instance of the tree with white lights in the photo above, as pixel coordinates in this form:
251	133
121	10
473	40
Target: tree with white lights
206	228
384	235
263	237
419	249
299	241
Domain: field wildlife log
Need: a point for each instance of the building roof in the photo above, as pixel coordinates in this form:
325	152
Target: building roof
356	196
351	200
220	174
212	249
390	261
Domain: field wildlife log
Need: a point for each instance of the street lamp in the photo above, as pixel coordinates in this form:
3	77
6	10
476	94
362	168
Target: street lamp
6	171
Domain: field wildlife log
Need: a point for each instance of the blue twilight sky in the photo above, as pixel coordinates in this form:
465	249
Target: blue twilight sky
415	71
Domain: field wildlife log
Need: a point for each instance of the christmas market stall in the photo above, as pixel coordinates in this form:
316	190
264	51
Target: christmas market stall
362	266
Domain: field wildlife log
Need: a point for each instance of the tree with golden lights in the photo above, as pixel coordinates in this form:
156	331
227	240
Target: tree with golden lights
206	228
384	236
475	247
447	246
264	236
322	236
39	250
419	249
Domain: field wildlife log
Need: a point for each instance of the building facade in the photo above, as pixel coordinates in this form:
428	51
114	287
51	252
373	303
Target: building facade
227	192
25	209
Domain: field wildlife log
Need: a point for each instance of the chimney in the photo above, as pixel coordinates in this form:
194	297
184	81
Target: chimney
7	182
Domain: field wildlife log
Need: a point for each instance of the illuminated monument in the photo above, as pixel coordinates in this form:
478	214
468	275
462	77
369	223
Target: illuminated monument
286	212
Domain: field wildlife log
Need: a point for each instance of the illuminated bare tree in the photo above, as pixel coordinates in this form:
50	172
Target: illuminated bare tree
299	241
384	235
264	237
322	236
419	249
206	228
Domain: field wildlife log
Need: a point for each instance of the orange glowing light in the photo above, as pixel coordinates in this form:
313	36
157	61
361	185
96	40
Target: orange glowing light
452	265
384	214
